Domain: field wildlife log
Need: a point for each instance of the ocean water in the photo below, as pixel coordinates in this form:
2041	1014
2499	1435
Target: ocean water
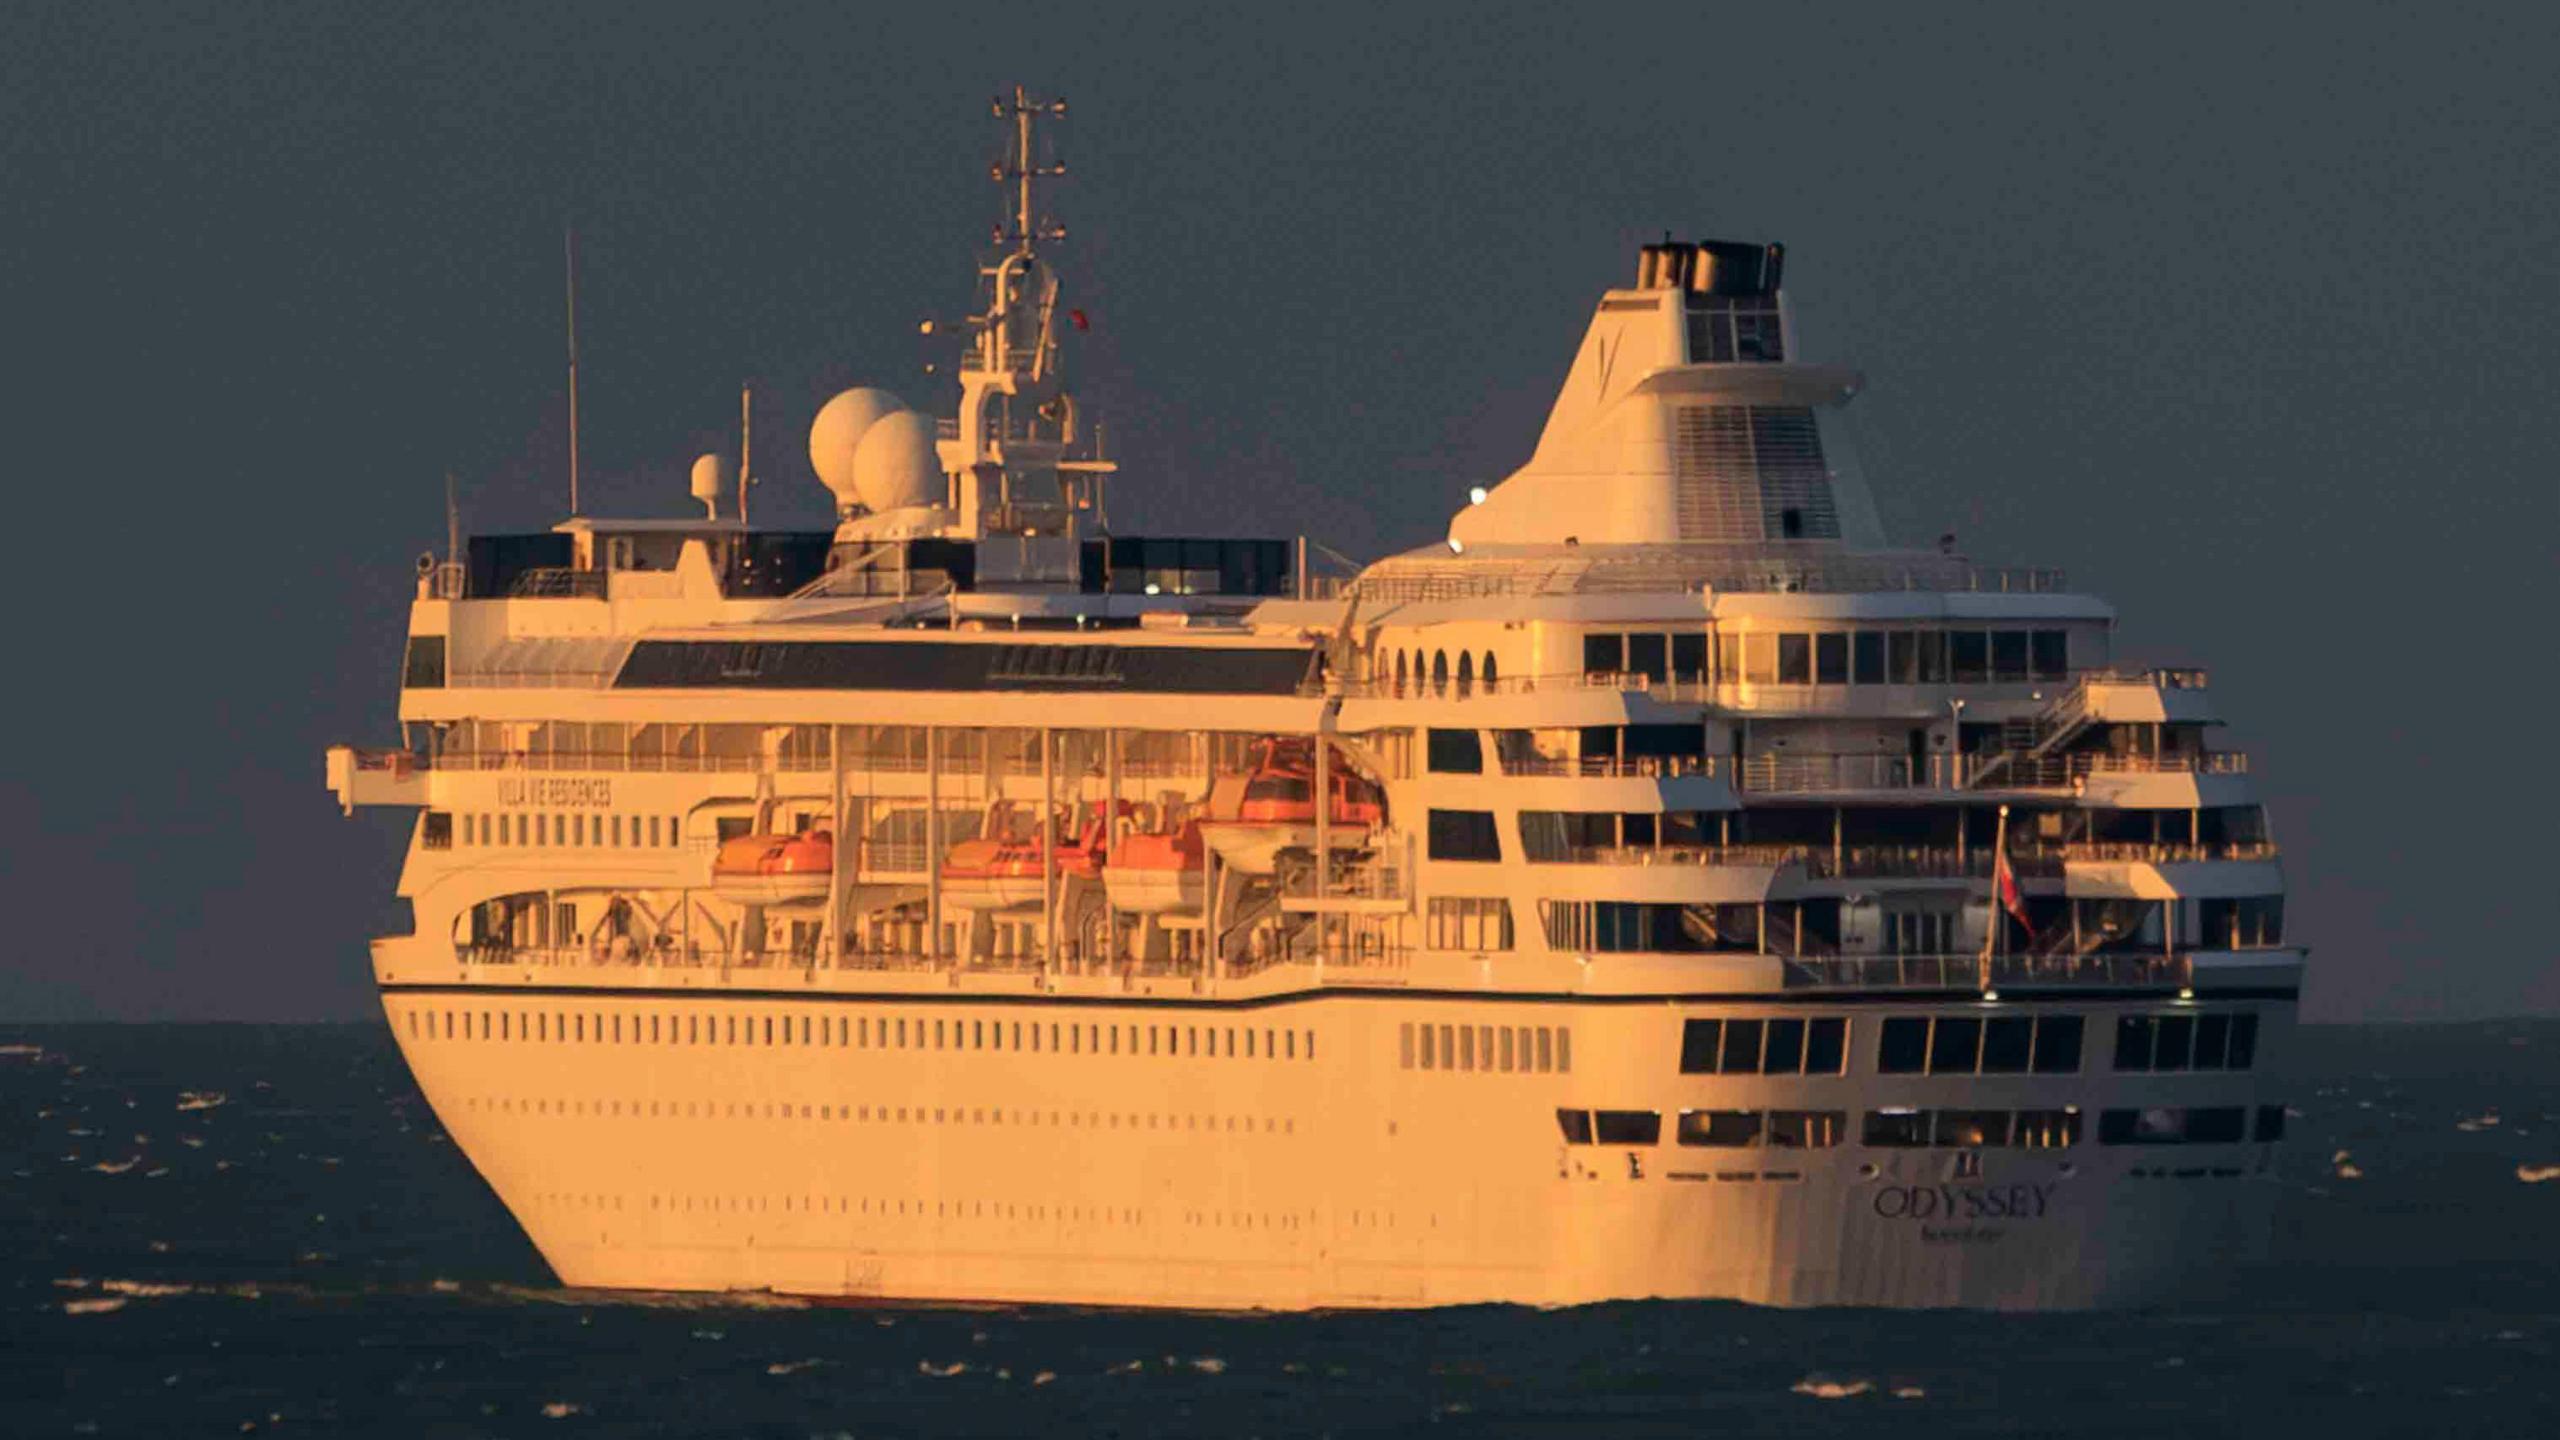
261	1230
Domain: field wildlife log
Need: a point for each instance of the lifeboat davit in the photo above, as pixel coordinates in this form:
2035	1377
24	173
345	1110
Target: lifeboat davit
775	869
1158	874
995	875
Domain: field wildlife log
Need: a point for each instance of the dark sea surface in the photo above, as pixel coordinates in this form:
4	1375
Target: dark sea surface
311	1256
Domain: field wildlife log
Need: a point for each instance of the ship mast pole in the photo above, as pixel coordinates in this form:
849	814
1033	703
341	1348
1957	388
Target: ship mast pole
1022	168
569	247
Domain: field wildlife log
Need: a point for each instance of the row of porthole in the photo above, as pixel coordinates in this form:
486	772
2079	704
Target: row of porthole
915	1210
883	1114
865	1031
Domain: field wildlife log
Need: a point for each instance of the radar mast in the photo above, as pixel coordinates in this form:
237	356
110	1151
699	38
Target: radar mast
1022	459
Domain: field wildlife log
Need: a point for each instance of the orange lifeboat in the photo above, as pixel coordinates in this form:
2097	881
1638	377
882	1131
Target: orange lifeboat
1281	789
1277	809
775	869
1002	873
1158	874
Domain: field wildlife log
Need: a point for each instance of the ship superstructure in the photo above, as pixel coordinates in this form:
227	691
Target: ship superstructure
1662	888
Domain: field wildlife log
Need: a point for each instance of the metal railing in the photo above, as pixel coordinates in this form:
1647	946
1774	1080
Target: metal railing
1668	573
1388	687
1615	767
1764	856
1998	770
1347	965
2165	852
1969	972
1814	774
623	762
558	583
1893	862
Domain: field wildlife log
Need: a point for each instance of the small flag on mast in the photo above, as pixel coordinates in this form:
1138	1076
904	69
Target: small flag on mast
1079	320
2011	898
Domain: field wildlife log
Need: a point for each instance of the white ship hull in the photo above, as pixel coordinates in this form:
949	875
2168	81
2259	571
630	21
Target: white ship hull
1665	745
1326	1177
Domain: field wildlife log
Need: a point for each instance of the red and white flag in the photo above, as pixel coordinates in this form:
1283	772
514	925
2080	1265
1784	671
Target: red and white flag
2004	883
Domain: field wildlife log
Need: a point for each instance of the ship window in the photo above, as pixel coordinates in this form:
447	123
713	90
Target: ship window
1933	656
2047	1129
1740	1054
2133	1042
1783	1053
1969	656
1454	752
1404	1045
1805	1129
1289	1044
1458	922
1902	657
2008	654
1604	654
1698	1043
1546	1050
1466	673
1490	674
1463	835
1902	1047
1627	1127
1760	659
2057	1048
1576	1125
1564	1051
2050	653
1826	1045
1896	1129
1867	659
435	830
1448	1047
1831	659
1972	1128
2270	1122
2244	1042
1439	672
1466	1047
1954	1046
1645	656
1795	659
1429	1052
2213	1041
2008	1041
1400	672
1688	657
1725	1129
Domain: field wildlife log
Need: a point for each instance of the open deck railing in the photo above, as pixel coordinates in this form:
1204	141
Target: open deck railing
1968	972
1629	767
2001	770
1762	856
2166	852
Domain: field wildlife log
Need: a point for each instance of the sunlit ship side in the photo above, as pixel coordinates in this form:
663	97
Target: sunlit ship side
1664	888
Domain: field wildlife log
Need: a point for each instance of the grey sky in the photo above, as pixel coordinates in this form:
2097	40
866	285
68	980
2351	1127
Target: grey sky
2243	315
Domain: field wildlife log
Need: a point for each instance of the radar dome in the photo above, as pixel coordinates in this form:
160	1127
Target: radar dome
896	468
710	482
837	434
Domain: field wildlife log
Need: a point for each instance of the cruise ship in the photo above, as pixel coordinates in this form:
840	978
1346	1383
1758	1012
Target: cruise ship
1662	887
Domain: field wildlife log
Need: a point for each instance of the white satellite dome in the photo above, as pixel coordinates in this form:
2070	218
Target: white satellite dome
896	468
837	434
710	482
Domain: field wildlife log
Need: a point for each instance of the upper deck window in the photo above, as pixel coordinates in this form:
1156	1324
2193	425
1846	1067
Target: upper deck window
1454	752
1464	835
